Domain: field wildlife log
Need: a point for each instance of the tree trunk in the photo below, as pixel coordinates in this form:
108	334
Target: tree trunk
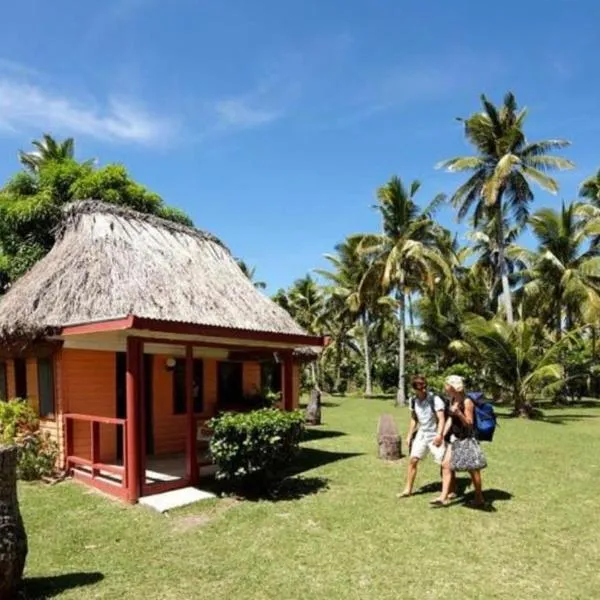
313	375
594	379
337	383
368	384
401	395
411	316
13	539
506	295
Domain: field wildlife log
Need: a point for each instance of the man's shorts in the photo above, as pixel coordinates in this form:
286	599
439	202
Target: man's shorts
423	445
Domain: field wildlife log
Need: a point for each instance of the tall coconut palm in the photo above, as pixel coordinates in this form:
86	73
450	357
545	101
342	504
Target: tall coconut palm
486	250
502	170
47	149
590	188
305	303
406	251
250	273
564	272
346	283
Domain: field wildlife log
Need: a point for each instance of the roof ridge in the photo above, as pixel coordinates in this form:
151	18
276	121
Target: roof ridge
74	210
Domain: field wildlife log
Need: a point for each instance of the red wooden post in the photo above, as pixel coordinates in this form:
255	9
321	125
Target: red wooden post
192	455
288	382
68	442
142	415
95	453
133	421
124	482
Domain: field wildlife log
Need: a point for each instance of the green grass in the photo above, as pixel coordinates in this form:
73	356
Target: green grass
350	539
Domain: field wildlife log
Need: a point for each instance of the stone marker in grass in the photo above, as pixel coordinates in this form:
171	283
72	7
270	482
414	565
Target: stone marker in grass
13	539
388	438
313	410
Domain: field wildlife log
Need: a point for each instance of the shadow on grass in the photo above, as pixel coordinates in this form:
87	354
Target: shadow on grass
311	458
324	404
574	404
462	483
34	588
295	488
291	487
491	496
564	419
312	434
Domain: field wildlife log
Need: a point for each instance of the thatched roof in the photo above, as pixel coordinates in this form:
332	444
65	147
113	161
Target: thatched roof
110	262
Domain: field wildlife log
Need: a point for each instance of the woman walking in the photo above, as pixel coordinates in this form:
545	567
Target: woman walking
464	452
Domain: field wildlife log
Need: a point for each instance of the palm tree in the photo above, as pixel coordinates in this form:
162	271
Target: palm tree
405	252
47	149
305	303
250	273
486	249
564	273
502	170
590	188
349	297
520	360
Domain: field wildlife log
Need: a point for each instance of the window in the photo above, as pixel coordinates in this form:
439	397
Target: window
3	382
179	404
270	376
230	383
20	378
46	386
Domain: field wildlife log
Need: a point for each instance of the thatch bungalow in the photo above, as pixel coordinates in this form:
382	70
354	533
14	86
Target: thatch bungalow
129	335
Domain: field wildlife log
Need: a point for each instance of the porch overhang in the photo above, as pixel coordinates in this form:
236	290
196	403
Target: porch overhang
192	332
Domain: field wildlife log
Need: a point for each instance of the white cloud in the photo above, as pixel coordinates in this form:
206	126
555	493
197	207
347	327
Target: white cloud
25	106
237	113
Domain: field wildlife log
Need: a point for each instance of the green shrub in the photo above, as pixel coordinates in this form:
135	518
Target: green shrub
37	452
255	448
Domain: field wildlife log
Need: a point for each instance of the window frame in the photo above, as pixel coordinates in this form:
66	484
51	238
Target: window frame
17	363
3	381
230	364
270	371
178	387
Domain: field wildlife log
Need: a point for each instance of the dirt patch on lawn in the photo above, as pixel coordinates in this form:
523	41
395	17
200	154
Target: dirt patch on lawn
190	522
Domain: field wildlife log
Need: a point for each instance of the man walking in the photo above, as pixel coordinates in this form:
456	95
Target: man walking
427	418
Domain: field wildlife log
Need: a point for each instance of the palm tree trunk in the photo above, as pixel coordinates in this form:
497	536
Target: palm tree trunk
506	295
401	395
338	367
367	355
313	375
594	381
411	315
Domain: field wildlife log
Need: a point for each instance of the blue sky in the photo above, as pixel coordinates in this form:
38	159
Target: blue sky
272	123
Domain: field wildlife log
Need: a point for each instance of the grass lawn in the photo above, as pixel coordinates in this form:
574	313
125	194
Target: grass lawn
341	533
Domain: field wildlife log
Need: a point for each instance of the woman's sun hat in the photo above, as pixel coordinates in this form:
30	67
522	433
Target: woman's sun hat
456	382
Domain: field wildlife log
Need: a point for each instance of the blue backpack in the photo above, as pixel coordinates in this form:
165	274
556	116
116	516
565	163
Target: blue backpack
485	417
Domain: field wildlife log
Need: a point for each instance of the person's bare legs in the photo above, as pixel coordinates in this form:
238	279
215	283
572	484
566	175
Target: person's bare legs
447	477
452	488
476	479
411	475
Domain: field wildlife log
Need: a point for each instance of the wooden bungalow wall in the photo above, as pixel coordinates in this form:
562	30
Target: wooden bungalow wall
85	383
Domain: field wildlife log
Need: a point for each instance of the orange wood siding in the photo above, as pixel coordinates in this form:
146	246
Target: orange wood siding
251	377
89	387
10	378
52	426
170	429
